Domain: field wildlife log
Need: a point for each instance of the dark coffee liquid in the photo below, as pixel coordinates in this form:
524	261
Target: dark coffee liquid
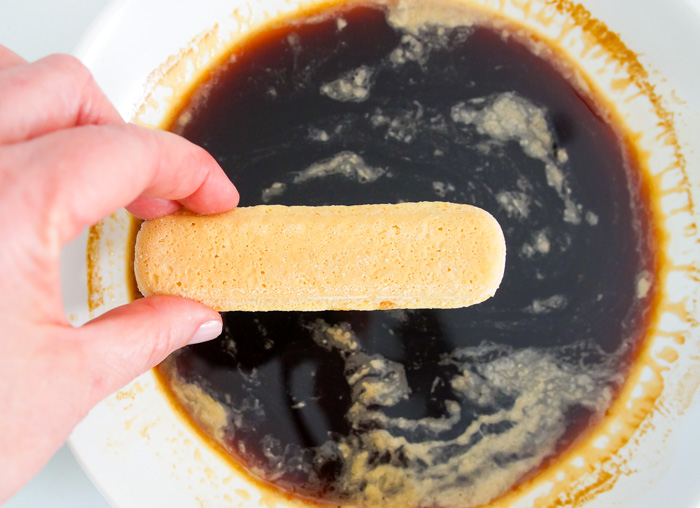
350	110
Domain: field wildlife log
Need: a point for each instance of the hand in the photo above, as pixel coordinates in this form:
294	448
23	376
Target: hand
67	160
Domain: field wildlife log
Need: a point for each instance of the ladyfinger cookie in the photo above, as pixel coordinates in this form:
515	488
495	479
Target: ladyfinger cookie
307	258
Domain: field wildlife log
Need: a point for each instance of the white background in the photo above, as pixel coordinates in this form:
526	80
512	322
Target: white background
35	28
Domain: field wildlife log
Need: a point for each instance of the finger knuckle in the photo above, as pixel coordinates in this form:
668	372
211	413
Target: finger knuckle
161	346
67	64
164	341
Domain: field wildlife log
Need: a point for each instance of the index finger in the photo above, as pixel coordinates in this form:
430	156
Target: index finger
56	92
83	174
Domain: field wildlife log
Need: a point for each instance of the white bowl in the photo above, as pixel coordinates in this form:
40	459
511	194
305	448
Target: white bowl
139	450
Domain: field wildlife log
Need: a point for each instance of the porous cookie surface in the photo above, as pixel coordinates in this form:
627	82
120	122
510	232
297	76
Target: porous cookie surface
366	257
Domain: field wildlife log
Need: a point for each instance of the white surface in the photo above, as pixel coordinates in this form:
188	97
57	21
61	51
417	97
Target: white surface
33	29
61	484
36	28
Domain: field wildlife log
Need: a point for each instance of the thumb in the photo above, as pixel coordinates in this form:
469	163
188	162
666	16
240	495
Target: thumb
127	341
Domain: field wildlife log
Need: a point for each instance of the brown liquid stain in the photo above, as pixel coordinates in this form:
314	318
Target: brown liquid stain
98	293
94	279
668	354
271	496
131	393
622	424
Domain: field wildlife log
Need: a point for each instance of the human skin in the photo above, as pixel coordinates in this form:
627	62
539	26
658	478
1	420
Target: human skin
67	159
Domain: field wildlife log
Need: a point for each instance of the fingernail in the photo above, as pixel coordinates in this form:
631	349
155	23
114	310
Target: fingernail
208	331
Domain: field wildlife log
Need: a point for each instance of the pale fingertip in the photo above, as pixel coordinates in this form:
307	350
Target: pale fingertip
233	198
150	208
207	331
223	200
216	194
